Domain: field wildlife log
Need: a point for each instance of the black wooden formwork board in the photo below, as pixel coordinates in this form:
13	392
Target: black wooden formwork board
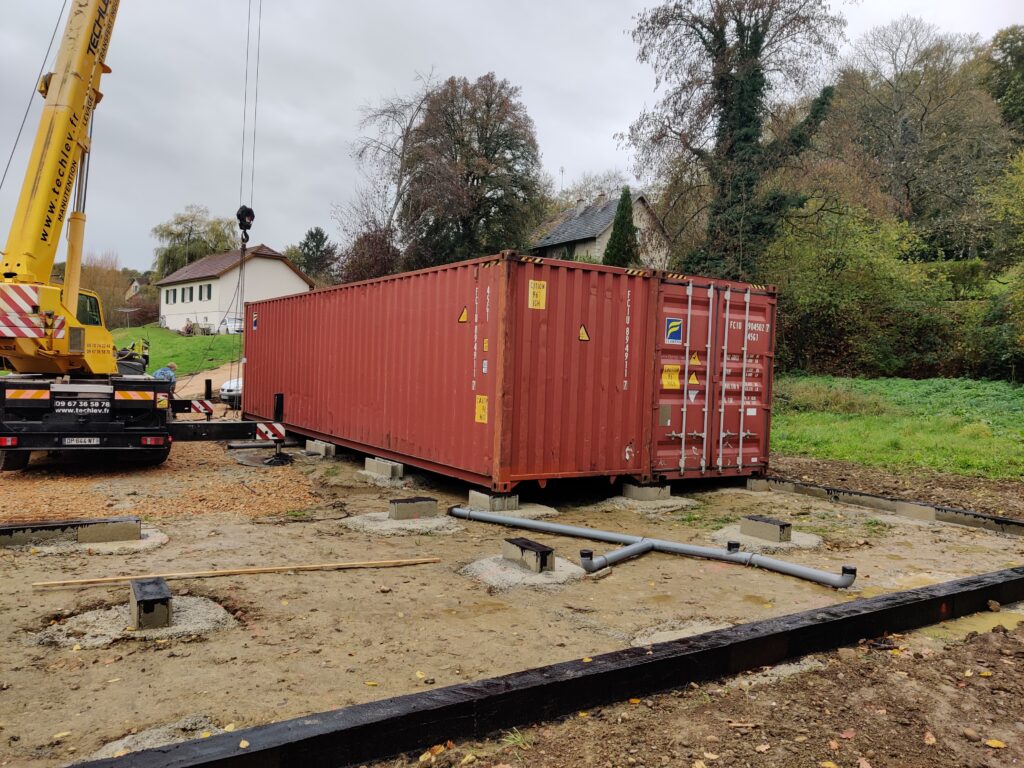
377	730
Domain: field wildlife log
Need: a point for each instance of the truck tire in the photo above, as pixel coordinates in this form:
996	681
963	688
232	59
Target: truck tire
12	461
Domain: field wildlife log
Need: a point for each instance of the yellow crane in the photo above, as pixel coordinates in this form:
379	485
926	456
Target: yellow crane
66	392
48	328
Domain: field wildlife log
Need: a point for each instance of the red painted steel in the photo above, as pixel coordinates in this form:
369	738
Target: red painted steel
512	368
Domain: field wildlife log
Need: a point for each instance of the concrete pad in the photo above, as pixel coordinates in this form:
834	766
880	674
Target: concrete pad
798	540
321	448
151	539
381	481
493	502
767	528
646	492
413	509
105	626
501	574
149	603
379	524
658	510
385	468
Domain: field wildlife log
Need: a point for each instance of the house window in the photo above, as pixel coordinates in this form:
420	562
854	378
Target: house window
187	295
206	292
171	296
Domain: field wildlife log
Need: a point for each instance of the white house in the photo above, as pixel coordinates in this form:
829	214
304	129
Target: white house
209	294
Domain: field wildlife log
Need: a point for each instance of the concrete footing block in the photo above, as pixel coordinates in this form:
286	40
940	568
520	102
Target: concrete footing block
321	448
413	508
121	530
767	528
493	502
149	602
646	492
81	531
530	554
389	469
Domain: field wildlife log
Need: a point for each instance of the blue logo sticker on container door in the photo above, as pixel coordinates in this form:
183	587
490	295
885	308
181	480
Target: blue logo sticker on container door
673	330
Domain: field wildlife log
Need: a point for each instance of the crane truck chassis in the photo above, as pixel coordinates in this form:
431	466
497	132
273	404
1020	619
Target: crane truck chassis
130	418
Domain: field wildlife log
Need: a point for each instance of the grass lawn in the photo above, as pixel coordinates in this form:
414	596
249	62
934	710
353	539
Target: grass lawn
191	353
951	425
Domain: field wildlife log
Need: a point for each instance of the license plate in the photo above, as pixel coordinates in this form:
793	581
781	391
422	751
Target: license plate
81	441
82	406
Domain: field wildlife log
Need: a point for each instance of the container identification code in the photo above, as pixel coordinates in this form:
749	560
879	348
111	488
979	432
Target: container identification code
538	294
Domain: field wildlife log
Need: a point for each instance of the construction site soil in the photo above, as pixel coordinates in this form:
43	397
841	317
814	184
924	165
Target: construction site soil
314	641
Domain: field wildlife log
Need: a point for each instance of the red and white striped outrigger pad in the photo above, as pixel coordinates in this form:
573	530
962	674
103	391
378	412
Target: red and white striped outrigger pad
19	314
269	430
202	406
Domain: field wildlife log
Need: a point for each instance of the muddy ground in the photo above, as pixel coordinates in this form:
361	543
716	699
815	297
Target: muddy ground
309	642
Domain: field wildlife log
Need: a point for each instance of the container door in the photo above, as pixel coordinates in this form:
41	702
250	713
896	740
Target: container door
744	348
685	338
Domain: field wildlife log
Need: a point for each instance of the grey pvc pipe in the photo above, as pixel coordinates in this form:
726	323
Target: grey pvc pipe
840	581
591	563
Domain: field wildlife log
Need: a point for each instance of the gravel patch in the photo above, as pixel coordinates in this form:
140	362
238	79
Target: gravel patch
504	574
379	524
661	509
753	544
189	727
104	626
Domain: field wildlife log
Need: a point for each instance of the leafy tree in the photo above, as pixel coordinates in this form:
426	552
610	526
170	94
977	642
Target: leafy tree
622	249
719	61
850	304
318	256
588	186
1005	78
102	273
189	236
475	183
1005	201
923	129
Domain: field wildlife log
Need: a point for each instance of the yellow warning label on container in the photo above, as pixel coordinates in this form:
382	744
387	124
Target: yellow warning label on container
486	345
694	360
481	409
538	294
464	315
670	377
162	401
584	336
692	379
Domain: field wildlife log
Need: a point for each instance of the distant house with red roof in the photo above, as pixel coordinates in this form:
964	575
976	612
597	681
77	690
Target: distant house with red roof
209	293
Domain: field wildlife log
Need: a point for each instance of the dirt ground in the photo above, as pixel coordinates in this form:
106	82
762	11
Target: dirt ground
993	497
315	641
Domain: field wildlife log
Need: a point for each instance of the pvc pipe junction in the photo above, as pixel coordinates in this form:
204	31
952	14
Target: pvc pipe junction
638	545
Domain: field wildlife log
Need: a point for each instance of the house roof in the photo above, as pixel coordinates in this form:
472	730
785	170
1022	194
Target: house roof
217	264
587	224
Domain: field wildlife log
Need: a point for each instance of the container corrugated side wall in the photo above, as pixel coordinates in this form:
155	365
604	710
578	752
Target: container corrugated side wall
577	388
392	366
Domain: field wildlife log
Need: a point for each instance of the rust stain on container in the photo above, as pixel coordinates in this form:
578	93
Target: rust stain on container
513	368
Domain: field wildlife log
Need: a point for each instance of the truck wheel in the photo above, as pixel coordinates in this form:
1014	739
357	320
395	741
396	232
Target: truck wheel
12	461
150	457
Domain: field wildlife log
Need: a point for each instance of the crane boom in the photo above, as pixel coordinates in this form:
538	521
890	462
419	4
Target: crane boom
41	329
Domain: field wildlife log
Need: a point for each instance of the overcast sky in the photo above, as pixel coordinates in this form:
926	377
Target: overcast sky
168	132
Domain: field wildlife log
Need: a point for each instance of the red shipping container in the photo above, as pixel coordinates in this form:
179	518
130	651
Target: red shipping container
512	368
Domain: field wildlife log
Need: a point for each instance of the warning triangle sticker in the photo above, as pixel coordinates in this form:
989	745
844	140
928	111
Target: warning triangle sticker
692	379
584	336
694	360
464	317
692	394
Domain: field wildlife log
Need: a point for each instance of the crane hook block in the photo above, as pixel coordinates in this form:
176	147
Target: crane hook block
245	217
